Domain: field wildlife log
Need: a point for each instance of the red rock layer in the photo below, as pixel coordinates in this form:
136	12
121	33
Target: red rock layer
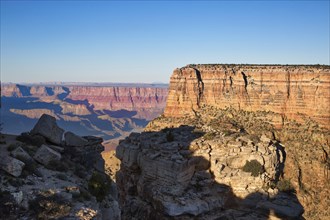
148	102
292	91
144	100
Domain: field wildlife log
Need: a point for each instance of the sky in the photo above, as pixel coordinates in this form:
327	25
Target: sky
144	41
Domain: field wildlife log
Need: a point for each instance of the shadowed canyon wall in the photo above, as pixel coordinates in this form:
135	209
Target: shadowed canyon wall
110	111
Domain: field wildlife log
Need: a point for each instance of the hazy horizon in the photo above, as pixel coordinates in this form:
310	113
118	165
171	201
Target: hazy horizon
143	42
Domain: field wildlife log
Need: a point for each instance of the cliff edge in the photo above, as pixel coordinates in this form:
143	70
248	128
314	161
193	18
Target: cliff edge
291	91
235	142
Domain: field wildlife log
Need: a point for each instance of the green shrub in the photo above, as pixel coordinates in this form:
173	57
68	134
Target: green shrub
169	136
253	167
84	195
209	136
285	185
99	186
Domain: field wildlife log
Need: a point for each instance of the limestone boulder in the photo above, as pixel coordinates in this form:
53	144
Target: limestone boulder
11	165
45	154
47	127
21	153
72	139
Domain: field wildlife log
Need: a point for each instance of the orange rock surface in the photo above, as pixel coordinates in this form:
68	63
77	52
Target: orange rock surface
292	91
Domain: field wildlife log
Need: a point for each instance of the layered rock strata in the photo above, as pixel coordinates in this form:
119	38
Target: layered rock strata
235	142
291	91
147	100
179	172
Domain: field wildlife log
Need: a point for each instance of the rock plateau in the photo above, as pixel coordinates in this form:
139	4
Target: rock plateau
235	142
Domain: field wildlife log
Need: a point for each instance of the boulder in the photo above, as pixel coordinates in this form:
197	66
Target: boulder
72	139
18	196
45	154
285	207
11	165
20	153
47	127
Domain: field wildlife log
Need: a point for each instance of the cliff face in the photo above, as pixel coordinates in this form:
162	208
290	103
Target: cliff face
287	90
148	102
110	111
235	141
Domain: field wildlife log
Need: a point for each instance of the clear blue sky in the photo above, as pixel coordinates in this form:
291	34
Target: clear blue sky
113	41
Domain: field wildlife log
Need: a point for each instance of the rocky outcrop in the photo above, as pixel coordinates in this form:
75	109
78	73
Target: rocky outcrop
235	142
48	128
51	178
291	91
182	171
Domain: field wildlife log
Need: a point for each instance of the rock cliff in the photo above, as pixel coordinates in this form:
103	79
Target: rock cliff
147	101
109	111
235	142
291	91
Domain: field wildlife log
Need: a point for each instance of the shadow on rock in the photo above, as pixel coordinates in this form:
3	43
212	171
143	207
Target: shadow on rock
178	173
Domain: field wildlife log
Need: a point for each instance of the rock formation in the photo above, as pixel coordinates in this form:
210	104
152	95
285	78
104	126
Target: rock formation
291	91
235	142
52	174
147	100
108	111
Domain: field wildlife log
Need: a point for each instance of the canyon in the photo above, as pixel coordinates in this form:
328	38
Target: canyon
234	142
110	111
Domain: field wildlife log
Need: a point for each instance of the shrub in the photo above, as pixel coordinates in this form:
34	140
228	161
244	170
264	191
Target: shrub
253	167
99	186
209	136
35	140
169	136
7	204
285	185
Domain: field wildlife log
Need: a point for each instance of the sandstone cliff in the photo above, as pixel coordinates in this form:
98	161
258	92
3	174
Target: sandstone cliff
196	159
287	90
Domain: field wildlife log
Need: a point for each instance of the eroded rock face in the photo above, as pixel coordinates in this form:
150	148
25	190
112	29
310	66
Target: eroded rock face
287	90
181	172
47	127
